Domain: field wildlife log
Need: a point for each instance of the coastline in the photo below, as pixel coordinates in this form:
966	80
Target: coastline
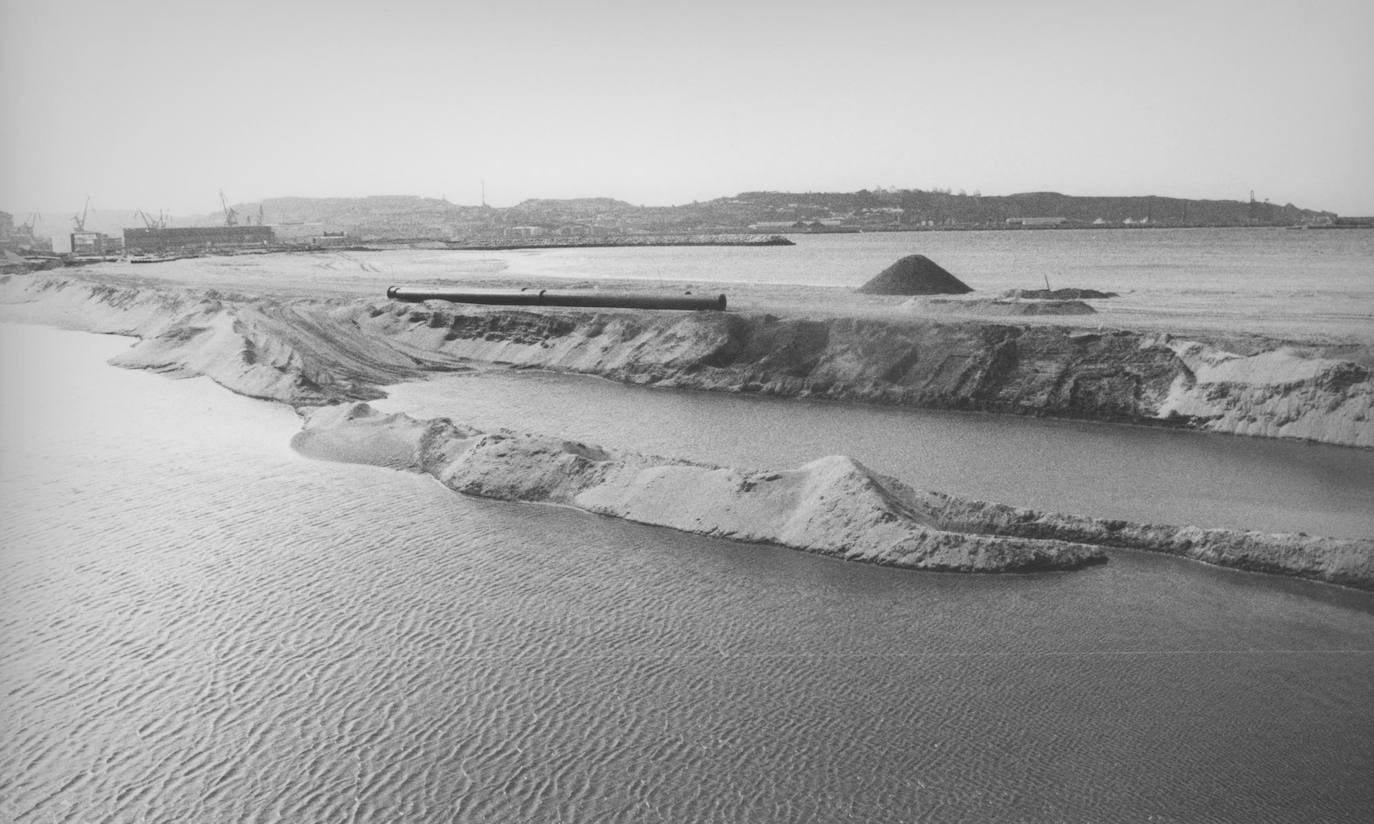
630	241
330	350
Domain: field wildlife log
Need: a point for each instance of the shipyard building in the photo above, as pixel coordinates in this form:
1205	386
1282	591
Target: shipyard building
93	243
197	238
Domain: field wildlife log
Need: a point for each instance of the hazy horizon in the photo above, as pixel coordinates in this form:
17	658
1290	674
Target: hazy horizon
159	105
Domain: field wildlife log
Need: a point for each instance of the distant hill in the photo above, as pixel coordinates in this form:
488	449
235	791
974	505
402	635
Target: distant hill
407	217
913	208
585	205
401	216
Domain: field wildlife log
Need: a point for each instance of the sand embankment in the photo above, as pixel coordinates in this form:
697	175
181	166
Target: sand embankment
831	506
311	351
319	350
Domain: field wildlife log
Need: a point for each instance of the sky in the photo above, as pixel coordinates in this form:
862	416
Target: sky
161	105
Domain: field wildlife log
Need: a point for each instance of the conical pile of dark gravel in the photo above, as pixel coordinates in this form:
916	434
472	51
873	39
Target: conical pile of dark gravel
915	275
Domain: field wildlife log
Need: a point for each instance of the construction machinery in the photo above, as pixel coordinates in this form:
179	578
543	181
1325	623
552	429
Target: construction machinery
159	222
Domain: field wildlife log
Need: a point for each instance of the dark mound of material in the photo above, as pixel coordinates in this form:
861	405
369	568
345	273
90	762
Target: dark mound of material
915	275
1057	294
983	306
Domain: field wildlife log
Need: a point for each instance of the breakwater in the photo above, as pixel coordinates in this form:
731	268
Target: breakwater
626	240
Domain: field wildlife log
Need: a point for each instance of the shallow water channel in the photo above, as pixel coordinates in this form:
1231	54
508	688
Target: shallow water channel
1146	474
197	624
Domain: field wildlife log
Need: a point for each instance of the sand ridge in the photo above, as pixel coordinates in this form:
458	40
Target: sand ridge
832	505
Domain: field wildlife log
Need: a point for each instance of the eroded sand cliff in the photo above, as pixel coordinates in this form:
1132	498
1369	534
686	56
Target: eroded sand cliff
320	350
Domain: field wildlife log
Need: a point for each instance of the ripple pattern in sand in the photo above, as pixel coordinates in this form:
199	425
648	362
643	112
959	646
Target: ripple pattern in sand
196	624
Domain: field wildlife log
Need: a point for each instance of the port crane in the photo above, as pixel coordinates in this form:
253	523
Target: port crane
231	217
160	222
79	221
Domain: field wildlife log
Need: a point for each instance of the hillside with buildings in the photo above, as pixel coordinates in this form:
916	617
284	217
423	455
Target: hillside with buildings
337	221
400	217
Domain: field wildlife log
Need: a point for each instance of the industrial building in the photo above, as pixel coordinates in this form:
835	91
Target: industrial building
197	238
21	238
93	243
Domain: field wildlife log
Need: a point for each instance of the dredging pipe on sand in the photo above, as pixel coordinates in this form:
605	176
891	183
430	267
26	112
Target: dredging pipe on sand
553	297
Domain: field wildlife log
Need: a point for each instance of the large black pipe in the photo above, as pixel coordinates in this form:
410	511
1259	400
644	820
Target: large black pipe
551	297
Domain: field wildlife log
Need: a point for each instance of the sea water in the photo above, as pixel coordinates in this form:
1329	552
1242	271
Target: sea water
1259	260
198	624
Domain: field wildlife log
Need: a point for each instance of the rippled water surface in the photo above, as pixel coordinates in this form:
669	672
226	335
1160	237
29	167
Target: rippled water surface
196	624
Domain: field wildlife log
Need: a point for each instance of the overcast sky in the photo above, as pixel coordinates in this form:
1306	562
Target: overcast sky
152	104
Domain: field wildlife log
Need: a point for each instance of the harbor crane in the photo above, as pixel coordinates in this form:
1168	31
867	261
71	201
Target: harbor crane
160	222
26	228
79	221
231	217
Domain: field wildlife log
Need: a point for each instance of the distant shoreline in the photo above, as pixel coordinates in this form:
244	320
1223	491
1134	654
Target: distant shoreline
602	243
34	259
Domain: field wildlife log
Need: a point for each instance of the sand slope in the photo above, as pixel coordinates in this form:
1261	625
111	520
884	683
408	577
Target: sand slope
831	506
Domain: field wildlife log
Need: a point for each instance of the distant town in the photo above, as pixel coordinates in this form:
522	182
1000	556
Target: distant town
313	223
